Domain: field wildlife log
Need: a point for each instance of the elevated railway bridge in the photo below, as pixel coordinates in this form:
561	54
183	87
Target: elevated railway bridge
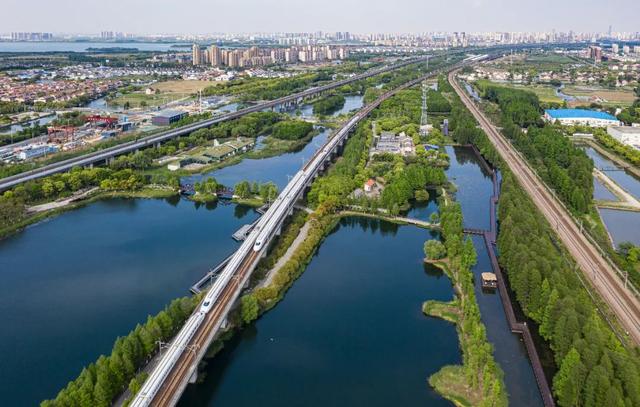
178	366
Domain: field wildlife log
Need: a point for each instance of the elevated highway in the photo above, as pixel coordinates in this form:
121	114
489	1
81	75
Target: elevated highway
610	283
103	156
179	364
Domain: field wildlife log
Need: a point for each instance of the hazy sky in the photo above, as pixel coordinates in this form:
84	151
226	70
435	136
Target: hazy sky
206	16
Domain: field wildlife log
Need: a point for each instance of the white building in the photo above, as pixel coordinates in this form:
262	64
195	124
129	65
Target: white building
626	135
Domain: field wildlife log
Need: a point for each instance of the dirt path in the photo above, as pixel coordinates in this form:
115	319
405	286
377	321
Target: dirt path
61	202
302	235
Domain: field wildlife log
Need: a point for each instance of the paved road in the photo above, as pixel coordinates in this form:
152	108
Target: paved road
595	267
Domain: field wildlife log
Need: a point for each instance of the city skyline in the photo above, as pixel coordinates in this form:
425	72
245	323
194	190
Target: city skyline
407	16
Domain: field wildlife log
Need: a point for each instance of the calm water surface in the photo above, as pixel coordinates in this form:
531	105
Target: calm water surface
71	285
349	332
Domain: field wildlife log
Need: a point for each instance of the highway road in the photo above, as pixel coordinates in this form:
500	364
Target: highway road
601	274
107	153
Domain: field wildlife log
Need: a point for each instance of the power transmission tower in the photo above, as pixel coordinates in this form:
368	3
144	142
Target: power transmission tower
424	119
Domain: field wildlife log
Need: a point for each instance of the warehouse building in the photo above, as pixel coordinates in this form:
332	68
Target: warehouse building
168	117
571	117
626	135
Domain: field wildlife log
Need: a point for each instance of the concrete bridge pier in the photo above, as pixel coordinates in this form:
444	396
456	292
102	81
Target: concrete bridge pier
194	377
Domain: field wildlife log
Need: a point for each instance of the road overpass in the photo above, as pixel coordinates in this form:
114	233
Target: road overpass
178	366
103	156
610	282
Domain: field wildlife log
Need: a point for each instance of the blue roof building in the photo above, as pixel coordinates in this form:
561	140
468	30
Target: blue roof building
569	117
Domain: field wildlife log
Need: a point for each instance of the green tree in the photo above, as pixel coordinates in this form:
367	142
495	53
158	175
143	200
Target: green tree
434	249
568	381
249	308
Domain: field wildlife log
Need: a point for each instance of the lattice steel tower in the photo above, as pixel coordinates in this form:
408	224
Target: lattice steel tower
424	130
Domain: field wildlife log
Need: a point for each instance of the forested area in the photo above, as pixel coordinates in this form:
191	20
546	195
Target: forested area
479	376
562	165
594	367
518	106
328	105
403	185
99	383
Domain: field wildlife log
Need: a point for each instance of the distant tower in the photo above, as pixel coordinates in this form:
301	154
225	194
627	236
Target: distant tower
424	123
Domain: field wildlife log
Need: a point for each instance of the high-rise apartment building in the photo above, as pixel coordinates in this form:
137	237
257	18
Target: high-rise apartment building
196	55
215	56
615	48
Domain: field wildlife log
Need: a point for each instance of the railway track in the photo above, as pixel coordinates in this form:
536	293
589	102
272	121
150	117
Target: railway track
602	276
170	391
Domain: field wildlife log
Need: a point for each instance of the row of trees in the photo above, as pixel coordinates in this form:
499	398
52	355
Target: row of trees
26	133
100	382
266	89
624	150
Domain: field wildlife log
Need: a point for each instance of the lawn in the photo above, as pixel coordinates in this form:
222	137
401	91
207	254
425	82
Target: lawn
181	87
165	92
